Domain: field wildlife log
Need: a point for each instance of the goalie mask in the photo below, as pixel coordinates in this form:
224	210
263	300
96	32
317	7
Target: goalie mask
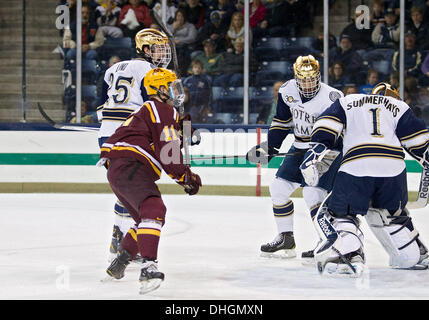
385	89
156	42
307	75
164	83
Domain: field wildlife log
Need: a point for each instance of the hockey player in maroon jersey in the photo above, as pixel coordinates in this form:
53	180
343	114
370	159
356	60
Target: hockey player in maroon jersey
148	142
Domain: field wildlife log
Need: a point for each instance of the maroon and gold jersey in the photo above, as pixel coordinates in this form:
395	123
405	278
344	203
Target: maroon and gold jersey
151	136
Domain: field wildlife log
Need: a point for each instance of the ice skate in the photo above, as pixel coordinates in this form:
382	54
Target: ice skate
118	266
115	245
283	247
150	278
351	265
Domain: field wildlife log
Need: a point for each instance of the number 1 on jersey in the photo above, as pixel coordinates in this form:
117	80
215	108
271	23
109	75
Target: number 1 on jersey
376	122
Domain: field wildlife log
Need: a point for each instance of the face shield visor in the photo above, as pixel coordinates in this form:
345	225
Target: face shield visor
308	86
177	92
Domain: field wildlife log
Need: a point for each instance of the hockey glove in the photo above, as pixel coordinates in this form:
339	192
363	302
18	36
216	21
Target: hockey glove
191	182
261	153
317	161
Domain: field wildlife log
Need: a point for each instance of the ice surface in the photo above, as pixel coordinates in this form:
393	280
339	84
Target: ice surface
54	246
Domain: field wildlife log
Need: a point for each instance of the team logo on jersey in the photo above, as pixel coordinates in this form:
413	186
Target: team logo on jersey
334	95
291	99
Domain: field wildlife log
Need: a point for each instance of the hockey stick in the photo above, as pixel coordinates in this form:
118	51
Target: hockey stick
186	124
241	157
423	193
63	126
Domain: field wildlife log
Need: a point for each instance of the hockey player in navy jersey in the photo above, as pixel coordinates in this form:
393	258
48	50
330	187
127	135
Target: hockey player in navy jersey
370	182
300	102
123	93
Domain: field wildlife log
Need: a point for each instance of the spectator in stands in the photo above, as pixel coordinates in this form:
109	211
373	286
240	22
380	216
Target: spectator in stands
394	79
377	13
215	30
257	13
347	55
412	59
199	90
360	38
92	37
86	115
170	11
418	97
225	7
185	36
386	34
350	89
371	80
107	15
267	114
210	59
297	15
338	79
419	27
318	43
134	17
233	67
236	30
195	12
424	80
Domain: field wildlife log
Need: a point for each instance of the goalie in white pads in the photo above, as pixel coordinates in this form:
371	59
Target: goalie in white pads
371	181
300	102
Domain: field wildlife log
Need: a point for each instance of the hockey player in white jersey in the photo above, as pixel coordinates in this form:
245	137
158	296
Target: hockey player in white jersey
122	94
371	181
300	102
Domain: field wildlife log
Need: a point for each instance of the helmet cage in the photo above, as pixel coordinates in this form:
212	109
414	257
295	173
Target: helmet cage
308	87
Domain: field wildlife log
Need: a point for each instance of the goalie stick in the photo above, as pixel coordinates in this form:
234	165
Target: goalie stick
186	124
423	193
63	126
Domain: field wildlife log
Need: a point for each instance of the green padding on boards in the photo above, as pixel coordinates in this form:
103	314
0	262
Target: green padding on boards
84	159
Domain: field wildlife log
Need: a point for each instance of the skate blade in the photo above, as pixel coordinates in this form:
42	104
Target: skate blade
149	285
107	279
280	254
418	267
343	271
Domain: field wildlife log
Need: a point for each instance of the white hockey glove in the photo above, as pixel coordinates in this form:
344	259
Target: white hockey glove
317	161
261	153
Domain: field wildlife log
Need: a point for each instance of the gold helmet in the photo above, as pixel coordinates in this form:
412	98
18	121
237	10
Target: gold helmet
157	43
157	79
385	89
307	75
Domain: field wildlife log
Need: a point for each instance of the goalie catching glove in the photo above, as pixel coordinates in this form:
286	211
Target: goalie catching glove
317	161
261	153
190	181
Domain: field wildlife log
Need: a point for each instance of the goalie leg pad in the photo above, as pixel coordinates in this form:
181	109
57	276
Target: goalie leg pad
397	239
340	244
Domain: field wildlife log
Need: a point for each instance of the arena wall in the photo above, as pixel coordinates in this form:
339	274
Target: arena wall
64	161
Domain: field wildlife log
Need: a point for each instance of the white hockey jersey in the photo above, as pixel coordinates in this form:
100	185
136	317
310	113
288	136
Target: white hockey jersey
123	93
293	113
375	130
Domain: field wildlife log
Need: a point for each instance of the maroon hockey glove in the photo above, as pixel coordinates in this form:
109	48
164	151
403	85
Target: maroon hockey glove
191	182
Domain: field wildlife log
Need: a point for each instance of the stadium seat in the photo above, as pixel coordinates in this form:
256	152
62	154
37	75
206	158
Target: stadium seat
301	41
223	118
270	49
382	66
121	47
217	93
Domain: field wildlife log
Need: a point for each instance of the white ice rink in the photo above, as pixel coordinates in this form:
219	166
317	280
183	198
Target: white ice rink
54	246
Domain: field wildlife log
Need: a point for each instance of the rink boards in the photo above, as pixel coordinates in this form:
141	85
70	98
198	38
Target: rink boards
57	161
